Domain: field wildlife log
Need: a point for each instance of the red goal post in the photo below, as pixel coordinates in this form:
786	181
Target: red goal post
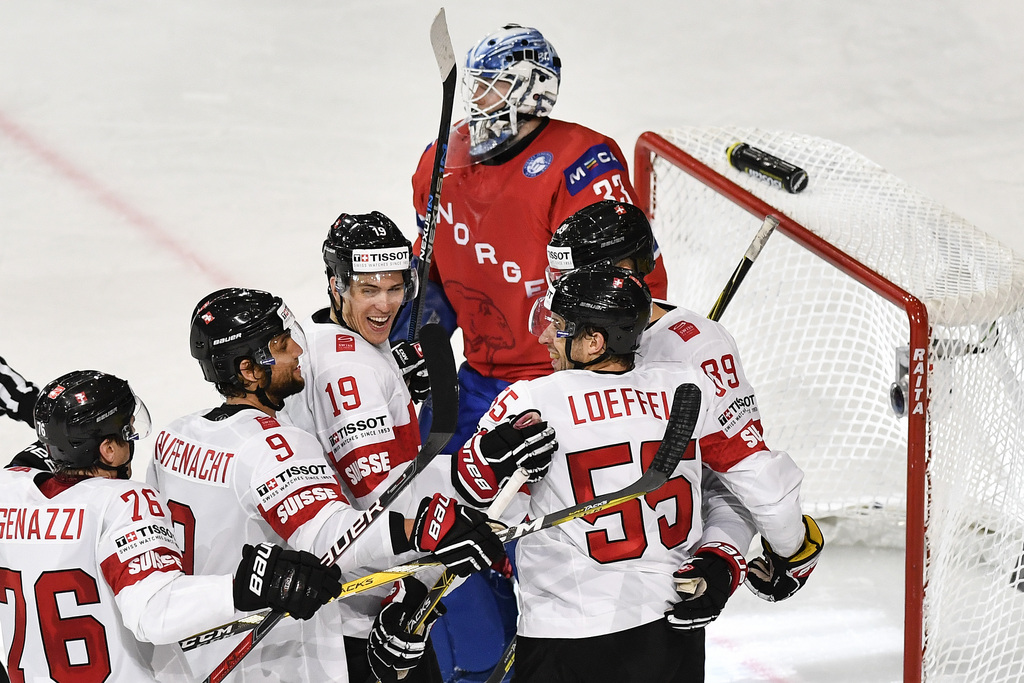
867	288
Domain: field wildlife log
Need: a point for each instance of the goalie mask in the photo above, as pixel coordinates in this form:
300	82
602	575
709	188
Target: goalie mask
511	73
608	299
607	232
76	412
234	324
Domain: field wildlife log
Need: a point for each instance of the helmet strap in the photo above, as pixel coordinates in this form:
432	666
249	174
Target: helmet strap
123	471
261	396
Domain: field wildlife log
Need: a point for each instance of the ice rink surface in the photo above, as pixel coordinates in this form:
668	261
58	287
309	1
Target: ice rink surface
153	152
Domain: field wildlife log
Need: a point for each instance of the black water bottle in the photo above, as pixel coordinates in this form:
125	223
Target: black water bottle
767	167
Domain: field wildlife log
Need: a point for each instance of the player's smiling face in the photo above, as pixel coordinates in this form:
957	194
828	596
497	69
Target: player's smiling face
556	344
371	303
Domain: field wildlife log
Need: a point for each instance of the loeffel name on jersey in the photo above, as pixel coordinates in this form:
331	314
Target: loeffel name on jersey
364	465
296	502
192	461
289	479
142	538
27	524
359	431
617	402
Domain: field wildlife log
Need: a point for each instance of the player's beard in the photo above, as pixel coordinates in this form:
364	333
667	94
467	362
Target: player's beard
283	385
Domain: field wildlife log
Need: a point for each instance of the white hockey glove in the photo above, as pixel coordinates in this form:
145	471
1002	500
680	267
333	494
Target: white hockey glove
292	581
774	578
705	584
458	535
409	357
17	395
489	458
391	649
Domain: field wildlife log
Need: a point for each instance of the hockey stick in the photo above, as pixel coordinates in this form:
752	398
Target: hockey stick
763	233
445	387
678	432
445	56
444	584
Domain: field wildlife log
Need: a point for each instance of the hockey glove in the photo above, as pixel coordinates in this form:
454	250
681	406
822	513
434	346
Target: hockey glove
774	578
291	581
409	357
391	648
705	584
488	459
458	535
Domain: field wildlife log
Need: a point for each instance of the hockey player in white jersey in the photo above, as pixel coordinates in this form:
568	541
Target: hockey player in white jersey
356	399
234	473
594	593
90	573
617	233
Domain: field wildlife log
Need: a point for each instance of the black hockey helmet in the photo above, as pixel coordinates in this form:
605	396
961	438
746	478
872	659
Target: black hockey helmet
232	324
77	411
368	243
610	299
606	232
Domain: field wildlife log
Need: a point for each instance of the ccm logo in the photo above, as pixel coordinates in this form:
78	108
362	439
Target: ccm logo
259	568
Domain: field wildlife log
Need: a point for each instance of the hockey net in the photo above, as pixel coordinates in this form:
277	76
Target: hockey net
868	284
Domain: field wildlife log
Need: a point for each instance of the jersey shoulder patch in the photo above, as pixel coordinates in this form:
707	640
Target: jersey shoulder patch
595	162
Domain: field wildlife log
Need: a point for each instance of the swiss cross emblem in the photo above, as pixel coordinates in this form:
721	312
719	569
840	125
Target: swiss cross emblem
271	484
130	536
621	210
617	283
208	317
81	398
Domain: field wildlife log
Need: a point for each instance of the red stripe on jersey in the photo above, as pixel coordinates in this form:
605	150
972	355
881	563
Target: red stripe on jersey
721	452
120	575
300	507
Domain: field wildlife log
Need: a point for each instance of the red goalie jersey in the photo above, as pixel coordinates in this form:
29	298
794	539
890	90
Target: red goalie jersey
493	229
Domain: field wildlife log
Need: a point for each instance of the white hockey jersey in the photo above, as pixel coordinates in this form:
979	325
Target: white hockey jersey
684	338
90	576
612	571
357	404
235	475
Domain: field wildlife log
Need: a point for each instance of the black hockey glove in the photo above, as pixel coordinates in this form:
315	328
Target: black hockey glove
17	395
291	581
705	584
409	357
391	648
519	442
774	578
458	535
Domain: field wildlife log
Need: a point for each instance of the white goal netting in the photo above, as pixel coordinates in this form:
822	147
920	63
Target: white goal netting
823	350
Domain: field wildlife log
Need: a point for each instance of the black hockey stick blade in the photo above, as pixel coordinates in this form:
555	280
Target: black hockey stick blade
763	233
444	385
445	56
681	423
